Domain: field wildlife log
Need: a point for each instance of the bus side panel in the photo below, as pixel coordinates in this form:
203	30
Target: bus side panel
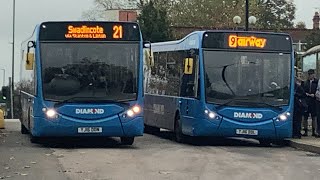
191	111
27	110
150	118
160	111
133	127
284	129
24	107
38	116
28	84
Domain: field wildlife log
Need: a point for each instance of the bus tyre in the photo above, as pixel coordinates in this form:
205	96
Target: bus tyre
34	139
280	142
179	136
127	140
24	130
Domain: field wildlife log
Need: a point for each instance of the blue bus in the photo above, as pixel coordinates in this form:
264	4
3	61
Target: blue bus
221	83
83	79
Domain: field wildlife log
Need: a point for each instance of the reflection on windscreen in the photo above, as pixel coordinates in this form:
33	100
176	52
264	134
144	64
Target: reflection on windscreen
104	70
251	76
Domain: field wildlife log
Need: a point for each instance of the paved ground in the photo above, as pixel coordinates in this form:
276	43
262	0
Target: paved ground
310	144
151	157
19	159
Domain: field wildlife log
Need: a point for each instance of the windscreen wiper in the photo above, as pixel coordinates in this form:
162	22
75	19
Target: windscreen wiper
277	108
92	100
230	101
245	100
225	80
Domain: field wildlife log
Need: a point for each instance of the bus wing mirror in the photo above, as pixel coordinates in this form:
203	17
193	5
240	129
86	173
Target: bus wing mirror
29	61
149	59
30	56
147	44
188	66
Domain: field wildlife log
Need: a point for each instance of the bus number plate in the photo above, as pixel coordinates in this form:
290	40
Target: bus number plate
90	130
247	132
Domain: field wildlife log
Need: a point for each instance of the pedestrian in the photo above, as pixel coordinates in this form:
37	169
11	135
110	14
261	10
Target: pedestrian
318	108
300	106
310	87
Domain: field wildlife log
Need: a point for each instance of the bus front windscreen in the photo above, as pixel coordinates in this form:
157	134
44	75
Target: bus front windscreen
247	78
101	70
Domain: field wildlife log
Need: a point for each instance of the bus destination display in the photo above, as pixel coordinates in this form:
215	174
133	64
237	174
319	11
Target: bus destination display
107	31
247	41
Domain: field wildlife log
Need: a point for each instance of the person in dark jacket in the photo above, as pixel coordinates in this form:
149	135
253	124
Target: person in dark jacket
299	108
310	87
318	108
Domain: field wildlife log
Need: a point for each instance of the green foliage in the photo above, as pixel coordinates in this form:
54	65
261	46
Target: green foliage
205	13
154	23
271	14
313	39
301	25
276	14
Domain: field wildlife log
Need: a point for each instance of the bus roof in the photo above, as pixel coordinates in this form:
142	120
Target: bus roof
193	40
126	22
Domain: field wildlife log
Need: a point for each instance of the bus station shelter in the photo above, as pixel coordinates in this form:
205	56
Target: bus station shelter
311	60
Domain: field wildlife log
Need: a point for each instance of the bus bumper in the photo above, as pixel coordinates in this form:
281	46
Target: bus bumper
134	127
228	128
111	127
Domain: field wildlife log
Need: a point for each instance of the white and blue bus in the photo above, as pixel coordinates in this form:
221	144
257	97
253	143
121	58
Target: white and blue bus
83	79
221	83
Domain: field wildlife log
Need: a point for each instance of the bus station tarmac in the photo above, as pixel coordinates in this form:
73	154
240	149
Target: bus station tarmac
151	157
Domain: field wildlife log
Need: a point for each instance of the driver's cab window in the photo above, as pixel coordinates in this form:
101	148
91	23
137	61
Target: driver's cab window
28	77
190	75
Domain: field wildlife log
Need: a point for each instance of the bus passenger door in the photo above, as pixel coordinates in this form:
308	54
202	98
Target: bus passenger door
188	93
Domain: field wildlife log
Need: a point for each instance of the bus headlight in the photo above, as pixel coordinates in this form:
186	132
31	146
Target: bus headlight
211	114
130	113
136	109
133	111
51	113
284	116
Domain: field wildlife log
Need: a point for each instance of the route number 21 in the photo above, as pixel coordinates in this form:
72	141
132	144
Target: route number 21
117	32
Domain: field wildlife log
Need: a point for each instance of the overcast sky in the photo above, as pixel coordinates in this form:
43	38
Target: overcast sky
31	12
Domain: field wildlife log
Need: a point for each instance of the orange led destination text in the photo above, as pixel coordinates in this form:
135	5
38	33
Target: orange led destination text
85	32
242	41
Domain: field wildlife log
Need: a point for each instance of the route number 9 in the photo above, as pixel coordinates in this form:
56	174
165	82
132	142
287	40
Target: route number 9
233	41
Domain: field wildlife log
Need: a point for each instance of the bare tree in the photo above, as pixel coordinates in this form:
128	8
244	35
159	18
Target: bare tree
100	6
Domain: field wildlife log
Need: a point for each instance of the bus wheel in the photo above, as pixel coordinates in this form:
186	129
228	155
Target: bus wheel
24	130
179	136
34	139
280	142
127	140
